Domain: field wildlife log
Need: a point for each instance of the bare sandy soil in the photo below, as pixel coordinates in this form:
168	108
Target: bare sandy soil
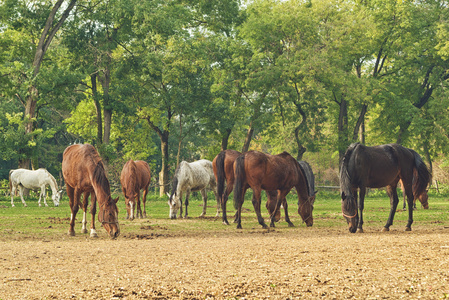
253	264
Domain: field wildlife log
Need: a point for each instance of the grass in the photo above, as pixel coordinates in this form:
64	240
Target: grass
53	222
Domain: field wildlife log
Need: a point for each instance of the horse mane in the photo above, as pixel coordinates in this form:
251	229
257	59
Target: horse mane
51	178
345	178
175	181
310	178
100	179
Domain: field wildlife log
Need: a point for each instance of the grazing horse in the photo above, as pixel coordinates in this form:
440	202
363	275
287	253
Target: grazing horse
257	170
310	178
377	167
423	198
135	176
191	177
33	179
84	172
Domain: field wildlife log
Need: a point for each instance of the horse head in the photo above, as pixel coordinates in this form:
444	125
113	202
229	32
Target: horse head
108	216
56	197
424	199
305	209
349	209
174	201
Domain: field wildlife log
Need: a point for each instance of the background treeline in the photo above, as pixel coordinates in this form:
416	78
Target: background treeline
164	81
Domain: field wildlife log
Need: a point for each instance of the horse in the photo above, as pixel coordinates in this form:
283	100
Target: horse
310	178
135	176
376	167
33	179
281	172
191	177
84	172
223	165
423	198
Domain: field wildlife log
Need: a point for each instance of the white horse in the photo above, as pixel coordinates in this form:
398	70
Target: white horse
32	180
194	176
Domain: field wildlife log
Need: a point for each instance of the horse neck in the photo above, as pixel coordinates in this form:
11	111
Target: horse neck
52	183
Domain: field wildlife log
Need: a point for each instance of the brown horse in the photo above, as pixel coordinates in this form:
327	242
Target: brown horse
223	165
84	172
310	178
135	176
377	167
257	170
423	198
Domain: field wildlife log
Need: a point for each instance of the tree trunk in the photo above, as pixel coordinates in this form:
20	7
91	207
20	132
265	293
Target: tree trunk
93	80
225	139
107	111
248	138
48	33
163	175
342	127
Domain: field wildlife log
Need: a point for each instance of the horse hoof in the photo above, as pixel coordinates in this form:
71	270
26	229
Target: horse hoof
71	233
93	235
271	225
385	229
359	230
84	231
225	223
408	229
291	225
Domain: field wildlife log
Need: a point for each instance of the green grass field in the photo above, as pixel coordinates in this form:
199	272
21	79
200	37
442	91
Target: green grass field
53	222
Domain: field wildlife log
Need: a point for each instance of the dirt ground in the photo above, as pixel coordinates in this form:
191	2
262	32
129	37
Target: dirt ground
253	264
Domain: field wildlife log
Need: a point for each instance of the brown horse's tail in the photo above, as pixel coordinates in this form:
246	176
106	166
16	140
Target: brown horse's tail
423	177
219	164
239	174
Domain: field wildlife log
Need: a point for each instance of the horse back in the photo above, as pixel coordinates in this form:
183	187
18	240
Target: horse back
78	164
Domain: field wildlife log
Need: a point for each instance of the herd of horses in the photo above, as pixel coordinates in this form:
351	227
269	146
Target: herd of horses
361	167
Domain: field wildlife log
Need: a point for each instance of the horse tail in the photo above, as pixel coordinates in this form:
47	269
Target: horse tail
240	176
423	177
219	164
10	182
345	178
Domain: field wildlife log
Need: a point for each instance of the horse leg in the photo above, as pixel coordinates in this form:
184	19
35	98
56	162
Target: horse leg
204	196
43	195
218	202
287	218
411	204
186	203
21	195
361	206
13	190
85	203
144	201
404	207
139	209
394	200
256	204
224	200
73	202
93	210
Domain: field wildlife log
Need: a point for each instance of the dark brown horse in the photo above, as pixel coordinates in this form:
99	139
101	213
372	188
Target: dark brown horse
84	172
272	195
376	167
223	165
135	176
260	171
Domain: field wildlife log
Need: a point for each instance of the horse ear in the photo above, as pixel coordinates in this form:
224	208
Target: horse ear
343	195
168	195
314	193
116	199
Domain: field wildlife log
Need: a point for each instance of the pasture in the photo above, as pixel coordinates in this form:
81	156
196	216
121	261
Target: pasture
200	258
